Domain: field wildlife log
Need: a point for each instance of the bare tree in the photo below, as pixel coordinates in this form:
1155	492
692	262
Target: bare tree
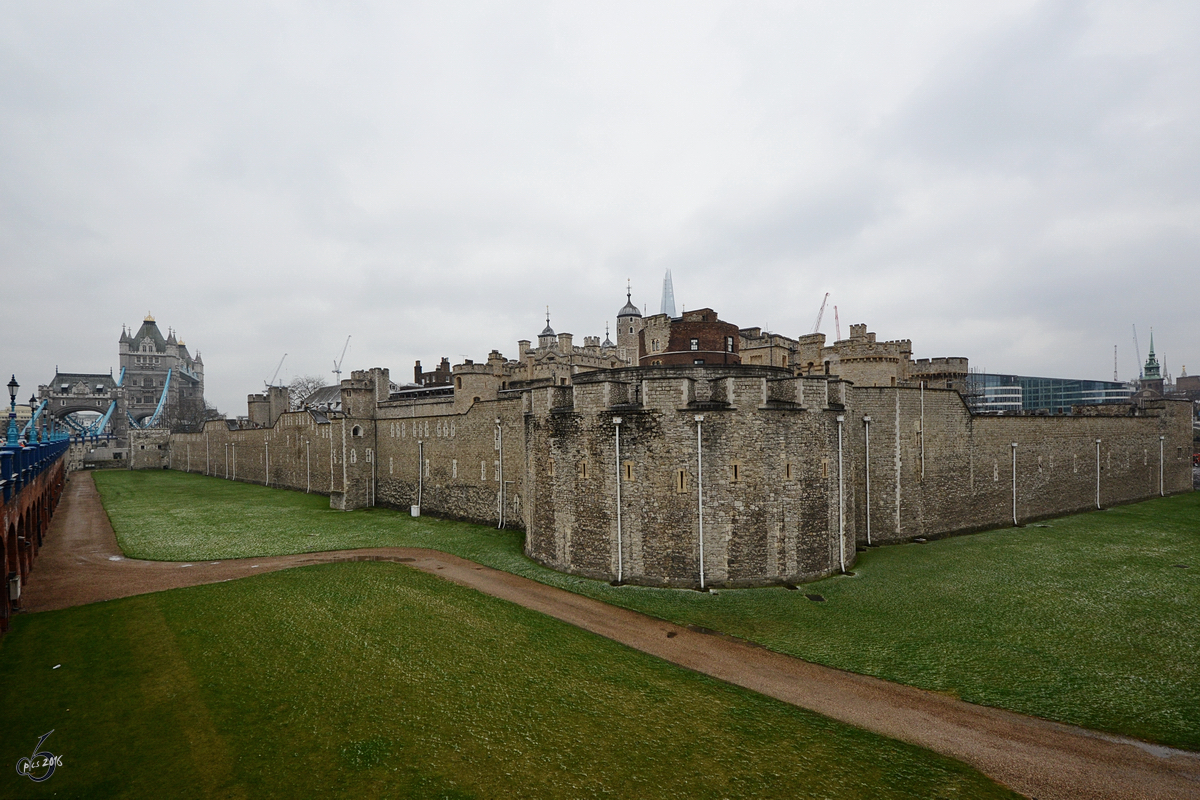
301	387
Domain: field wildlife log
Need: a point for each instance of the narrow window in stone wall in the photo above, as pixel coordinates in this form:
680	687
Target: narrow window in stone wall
824	467
735	471
583	470
427	468
454	468
627	471
483	470
787	471
681	481
694	344
496	466
390	470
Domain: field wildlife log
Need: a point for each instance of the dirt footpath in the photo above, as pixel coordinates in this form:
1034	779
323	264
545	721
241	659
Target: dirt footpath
81	563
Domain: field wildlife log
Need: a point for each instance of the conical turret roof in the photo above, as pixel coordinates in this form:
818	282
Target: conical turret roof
629	310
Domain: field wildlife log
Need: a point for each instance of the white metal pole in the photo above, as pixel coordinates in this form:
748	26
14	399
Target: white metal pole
922	430
620	561
189	456
233	446
841	506
1161	445
1014	482
227	461
700	490
867	470
267	450
307	466
1097	473
421	471
500	477
206	459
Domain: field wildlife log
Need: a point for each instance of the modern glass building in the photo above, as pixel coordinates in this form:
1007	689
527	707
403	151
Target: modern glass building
989	393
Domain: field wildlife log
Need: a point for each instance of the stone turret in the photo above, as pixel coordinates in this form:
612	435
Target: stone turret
547	339
629	325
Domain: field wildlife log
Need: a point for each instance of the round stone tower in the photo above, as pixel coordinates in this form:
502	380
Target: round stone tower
629	324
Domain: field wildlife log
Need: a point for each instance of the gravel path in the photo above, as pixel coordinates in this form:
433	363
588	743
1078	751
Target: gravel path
81	563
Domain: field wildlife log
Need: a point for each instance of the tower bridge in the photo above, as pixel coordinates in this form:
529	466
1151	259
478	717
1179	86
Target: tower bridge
159	385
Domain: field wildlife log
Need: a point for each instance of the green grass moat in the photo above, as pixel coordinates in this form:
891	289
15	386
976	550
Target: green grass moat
1088	619
376	680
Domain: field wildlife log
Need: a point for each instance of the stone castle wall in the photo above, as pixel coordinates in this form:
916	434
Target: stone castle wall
936	469
779	505
770	506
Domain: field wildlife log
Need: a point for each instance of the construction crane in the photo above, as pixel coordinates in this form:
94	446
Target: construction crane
271	382
337	365
1138	352
837	325
820	314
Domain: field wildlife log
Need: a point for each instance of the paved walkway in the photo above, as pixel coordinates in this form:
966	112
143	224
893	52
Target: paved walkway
81	563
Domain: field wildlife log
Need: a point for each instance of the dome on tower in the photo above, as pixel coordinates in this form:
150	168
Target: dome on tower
629	310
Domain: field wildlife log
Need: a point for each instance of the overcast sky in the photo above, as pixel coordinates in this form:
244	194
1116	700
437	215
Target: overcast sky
1015	182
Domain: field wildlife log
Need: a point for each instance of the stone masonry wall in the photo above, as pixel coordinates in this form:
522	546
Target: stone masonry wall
937	470
770	482
778	503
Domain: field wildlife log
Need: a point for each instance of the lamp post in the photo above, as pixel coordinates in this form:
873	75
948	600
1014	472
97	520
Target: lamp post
33	433
12	411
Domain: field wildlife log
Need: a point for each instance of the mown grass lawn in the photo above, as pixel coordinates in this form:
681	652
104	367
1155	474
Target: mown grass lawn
1085	619
374	680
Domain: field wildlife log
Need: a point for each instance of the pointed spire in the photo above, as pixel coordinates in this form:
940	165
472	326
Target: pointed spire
607	341
548	331
668	297
1152	370
629	310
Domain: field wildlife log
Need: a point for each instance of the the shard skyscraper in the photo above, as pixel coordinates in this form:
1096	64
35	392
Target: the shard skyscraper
668	297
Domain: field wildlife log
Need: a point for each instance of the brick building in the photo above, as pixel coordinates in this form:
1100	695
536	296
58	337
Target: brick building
696	338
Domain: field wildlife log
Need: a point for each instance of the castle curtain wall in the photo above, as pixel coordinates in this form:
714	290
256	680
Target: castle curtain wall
774	507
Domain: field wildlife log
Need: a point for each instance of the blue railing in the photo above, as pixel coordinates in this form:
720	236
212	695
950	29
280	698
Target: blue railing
20	465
